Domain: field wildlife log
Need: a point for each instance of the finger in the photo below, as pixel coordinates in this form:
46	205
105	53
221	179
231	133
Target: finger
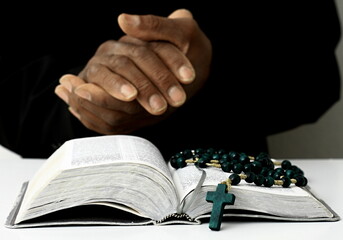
62	93
93	121
70	82
171	56
67	84
94	117
102	120
146	67
73	85
153	28
121	66
181	13
99	97
115	84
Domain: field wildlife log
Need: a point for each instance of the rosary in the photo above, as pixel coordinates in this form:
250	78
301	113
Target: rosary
260	170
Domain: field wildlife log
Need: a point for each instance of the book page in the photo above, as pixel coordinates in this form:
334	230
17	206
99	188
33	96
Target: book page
119	149
51	168
292	202
111	162
186	179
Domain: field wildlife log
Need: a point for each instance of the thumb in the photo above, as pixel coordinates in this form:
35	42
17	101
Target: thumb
173	29
181	13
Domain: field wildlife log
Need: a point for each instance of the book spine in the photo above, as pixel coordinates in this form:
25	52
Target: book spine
176	216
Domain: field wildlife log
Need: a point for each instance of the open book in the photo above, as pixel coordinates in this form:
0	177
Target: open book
124	180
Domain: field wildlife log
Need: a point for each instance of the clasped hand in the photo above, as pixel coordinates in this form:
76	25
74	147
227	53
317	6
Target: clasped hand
141	78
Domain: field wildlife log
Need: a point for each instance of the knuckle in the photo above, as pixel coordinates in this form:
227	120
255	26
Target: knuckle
145	87
161	77
119	61
139	51
169	52
92	70
106	46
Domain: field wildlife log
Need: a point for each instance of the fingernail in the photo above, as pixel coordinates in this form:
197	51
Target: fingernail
83	94
157	103
187	74
128	91
132	20
177	96
61	94
64	81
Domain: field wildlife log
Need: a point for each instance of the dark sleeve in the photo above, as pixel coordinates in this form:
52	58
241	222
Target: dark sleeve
34	121
37	48
275	68
283	72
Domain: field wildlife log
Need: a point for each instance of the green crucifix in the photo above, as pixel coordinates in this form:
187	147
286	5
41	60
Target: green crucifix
219	198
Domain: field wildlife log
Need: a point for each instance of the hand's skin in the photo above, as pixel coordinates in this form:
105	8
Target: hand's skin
137	79
101	112
132	69
181	30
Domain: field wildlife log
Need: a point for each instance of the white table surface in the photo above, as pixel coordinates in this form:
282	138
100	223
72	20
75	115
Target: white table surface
325	178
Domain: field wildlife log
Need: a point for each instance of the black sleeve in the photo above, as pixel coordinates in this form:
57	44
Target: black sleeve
276	65
34	121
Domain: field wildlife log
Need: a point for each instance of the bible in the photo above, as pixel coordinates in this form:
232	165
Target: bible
124	180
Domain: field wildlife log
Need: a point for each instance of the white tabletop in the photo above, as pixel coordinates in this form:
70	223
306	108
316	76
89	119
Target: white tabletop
325	179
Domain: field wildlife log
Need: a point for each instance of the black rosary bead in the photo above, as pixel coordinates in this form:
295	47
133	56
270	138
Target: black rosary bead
259	180
256	167
202	162
264	171
187	154
244	159
199	151
297	170
235	179
277	175
221	151
286	164
237	168
225	157
247	168
227	166
286	182
210	151
173	162
301	181
262	156
181	162
259	170
268	181
234	156
216	156
289	173
250	177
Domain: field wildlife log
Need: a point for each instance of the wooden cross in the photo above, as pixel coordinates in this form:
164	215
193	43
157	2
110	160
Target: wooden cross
219	198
